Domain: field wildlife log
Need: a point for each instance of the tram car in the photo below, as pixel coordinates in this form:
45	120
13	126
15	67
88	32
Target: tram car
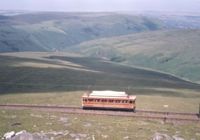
112	100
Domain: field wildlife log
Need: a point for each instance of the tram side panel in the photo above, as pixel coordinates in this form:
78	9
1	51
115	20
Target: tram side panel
108	103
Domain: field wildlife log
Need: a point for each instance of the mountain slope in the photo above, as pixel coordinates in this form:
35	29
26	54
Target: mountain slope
56	31
47	72
173	51
52	31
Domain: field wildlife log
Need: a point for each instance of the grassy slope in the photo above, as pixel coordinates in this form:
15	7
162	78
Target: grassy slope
172	51
55	31
94	127
36	72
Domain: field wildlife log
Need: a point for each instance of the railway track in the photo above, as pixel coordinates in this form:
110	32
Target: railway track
142	114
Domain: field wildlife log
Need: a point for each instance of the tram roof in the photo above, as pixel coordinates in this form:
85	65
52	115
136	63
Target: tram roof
109	93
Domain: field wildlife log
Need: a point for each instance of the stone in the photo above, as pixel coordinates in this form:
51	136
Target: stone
126	138
166	106
66	132
9	135
20	132
159	136
177	138
34	126
29	136
104	136
24	135
93	137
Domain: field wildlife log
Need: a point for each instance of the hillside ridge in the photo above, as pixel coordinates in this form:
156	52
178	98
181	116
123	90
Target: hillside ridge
172	51
56	31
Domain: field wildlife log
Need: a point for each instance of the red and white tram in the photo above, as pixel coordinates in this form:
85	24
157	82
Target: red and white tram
108	100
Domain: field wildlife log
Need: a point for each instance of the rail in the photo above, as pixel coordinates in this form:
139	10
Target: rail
142	114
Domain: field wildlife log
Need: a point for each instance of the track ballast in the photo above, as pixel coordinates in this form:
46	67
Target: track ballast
142	114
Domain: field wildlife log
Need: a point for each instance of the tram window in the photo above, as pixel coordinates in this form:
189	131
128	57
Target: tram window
103	100
90	100
124	101
117	101
110	101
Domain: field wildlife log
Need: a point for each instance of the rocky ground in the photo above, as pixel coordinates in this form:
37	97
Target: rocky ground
24	135
34	125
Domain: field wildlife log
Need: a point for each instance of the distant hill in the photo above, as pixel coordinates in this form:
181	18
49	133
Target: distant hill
51	31
172	51
56	31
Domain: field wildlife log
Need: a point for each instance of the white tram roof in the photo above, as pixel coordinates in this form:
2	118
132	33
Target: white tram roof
110	94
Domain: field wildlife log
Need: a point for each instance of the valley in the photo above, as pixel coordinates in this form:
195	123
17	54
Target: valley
172	51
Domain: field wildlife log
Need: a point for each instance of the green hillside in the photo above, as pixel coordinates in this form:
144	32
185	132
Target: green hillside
145	41
172	51
54	31
47	72
50	31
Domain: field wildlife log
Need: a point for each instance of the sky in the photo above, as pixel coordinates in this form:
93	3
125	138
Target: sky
102	5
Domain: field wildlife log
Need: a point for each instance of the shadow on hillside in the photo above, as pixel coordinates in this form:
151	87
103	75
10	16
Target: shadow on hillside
25	79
